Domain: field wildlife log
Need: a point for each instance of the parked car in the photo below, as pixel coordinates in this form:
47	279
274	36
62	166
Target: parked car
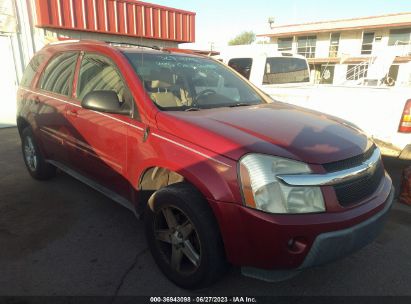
383	112
220	173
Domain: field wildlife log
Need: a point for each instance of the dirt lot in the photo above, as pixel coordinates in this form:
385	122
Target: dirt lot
62	238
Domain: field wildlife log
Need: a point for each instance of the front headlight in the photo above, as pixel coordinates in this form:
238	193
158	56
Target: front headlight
262	190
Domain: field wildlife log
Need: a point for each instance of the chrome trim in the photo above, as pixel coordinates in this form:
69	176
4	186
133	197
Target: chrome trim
333	178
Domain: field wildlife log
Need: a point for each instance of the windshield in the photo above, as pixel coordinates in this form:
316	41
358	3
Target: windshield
280	70
181	82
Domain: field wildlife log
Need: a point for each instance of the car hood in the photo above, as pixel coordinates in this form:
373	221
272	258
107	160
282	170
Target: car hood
277	129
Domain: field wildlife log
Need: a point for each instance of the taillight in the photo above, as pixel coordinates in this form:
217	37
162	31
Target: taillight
405	122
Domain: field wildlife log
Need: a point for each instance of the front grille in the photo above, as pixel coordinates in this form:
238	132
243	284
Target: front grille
349	162
352	192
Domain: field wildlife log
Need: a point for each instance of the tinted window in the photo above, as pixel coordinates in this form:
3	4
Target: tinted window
58	75
242	66
97	73
285	44
31	70
285	70
181	82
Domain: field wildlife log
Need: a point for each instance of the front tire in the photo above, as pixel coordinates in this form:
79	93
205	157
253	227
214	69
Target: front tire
34	160
183	237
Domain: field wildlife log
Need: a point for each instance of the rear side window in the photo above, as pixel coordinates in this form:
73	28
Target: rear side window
285	70
31	70
242	66
97	73
58	75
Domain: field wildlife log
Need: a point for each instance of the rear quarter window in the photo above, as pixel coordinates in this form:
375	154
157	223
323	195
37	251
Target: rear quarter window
31	70
58	75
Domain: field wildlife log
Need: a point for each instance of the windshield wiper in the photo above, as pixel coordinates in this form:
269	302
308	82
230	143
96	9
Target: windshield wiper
192	109
241	104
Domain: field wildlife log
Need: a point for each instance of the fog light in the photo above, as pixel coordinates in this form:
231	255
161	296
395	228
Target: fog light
297	245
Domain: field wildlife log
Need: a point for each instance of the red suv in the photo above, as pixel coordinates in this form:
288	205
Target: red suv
222	173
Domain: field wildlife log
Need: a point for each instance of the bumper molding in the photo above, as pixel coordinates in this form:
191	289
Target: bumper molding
333	245
330	246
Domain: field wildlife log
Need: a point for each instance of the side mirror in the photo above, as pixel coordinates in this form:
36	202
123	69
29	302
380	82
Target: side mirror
104	101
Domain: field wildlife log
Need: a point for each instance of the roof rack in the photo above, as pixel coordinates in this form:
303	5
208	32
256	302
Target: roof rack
64	41
111	43
127	44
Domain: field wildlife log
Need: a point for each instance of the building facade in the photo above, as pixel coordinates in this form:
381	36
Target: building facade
27	25
375	49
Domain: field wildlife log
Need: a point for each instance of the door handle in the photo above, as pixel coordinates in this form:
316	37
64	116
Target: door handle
72	112
146	133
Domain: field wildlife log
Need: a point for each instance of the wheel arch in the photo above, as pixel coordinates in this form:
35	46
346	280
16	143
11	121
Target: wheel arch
154	178
22	123
210	182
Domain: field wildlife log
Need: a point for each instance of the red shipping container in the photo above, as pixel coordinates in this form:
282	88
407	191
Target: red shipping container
117	17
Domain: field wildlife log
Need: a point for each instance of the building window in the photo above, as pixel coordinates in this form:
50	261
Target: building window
392	75
285	44
400	37
306	46
242	66
367	41
356	71
334	42
327	74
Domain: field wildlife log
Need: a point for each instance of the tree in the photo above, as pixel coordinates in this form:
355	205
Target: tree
243	38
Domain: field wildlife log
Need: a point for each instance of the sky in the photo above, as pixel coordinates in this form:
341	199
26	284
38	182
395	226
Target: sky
218	21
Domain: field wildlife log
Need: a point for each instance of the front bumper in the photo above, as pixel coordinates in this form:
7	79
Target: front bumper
331	246
334	245
262	241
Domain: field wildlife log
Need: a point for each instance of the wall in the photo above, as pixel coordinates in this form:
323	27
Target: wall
8	83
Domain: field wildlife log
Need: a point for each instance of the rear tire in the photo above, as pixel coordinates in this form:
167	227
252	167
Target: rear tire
34	160
183	237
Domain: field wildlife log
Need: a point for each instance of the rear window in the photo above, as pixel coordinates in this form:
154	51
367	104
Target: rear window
58	75
31	70
279	70
242	66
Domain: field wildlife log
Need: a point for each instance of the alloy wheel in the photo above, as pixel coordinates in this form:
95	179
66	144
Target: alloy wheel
30	154
177	240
